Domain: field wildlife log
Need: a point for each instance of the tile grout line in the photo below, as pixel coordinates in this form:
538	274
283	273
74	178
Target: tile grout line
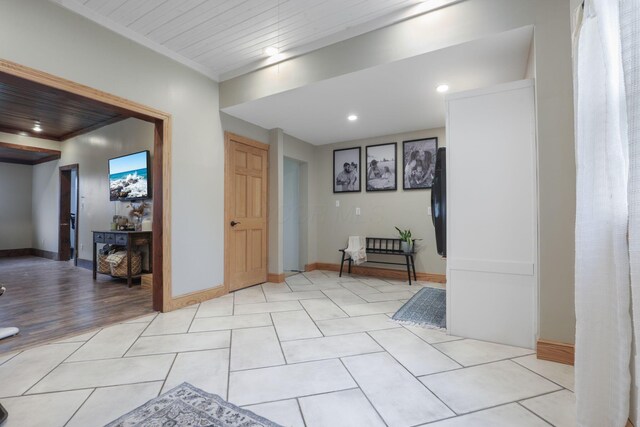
304	421
79	407
164	382
229	364
535	414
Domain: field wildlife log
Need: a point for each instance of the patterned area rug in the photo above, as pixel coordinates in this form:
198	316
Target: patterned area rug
187	406
426	308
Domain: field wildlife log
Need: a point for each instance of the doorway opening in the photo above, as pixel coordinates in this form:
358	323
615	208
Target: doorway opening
68	215
294	203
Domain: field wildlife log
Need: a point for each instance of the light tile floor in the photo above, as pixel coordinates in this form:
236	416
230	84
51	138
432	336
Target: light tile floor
316	351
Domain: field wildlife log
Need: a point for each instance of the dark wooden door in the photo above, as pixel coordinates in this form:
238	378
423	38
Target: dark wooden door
64	223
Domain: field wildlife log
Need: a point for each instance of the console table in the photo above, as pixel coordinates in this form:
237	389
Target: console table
127	239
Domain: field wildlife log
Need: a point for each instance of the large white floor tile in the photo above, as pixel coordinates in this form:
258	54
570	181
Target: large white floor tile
110	403
360	288
472	352
102	373
558	408
317	286
255	348
221	323
557	372
297	279
346	408
143	319
483	386
329	347
397	395
512	415
356	324
416	355
51	409
372	308
288	381
268	307
432	336
8	356
284	412
27	368
176	343
250	295
208	370
113	341
295	325
221	306
343	297
396	288
294	296
323	309
174	322
274	288
387	296
77	338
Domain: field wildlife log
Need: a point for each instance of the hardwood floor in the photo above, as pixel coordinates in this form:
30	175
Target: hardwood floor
49	300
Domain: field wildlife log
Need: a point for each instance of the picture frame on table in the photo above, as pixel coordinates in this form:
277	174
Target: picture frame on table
382	166
418	163
346	170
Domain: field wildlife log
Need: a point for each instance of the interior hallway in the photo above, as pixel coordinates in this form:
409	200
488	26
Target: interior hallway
317	350
48	300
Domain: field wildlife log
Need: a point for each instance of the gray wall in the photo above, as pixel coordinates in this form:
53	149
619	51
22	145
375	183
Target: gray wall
380	211
455	24
15	206
49	38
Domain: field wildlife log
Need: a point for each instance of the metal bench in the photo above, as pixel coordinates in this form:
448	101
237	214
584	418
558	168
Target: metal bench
385	246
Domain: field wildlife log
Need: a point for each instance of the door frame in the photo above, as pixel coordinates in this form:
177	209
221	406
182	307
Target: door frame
228	196
161	173
63	170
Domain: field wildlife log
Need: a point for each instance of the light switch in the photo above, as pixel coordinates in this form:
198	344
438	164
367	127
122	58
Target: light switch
337	203
429	211
357	211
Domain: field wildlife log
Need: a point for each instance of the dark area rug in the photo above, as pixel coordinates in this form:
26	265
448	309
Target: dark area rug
426	308
187	405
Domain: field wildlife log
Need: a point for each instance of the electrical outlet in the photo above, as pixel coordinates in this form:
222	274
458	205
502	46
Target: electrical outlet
357	211
337	203
429	211
81	246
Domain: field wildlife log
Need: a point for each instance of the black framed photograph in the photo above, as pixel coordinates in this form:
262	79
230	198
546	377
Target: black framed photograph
346	170
419	163
381	167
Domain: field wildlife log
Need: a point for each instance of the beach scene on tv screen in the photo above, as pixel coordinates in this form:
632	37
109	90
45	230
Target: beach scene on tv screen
128	177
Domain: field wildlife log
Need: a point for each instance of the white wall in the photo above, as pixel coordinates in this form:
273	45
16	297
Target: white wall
244	128
15	206
49	38
291	205
380	211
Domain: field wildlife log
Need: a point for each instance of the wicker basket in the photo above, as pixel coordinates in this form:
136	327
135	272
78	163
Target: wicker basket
121	269
103	266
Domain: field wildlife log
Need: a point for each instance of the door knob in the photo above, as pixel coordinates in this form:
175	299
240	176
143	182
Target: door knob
233	223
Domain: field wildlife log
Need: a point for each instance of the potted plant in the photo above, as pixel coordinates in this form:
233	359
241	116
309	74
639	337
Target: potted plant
406	244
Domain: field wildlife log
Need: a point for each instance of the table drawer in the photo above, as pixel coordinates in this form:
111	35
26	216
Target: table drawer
121	239
98	237
110	238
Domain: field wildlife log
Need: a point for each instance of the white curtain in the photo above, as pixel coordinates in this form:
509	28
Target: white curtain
603	320
630	40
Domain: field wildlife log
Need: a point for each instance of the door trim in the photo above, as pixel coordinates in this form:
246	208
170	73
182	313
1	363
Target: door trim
228	137
162	294
65	169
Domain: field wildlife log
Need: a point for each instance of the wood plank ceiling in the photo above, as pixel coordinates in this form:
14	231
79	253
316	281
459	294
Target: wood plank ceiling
26	155
61	115
225	35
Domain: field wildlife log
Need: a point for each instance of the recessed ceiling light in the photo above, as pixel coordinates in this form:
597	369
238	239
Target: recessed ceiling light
271	51
352	118
37	127
442	88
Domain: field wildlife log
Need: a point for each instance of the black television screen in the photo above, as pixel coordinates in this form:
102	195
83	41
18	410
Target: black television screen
129	177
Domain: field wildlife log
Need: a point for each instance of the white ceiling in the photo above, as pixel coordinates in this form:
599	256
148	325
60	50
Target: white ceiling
224	38
392	98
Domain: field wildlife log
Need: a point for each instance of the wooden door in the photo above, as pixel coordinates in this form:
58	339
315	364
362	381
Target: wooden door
246	188
64	223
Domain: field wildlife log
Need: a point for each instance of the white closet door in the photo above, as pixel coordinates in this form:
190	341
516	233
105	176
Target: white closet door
492	285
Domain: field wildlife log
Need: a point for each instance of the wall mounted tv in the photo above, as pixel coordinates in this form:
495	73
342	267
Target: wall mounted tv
129	177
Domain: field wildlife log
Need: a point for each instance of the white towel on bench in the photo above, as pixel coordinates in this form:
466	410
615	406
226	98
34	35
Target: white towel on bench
357	249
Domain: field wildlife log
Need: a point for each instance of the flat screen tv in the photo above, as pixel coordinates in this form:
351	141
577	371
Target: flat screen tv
129	177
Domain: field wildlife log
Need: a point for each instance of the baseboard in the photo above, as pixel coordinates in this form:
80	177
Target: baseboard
311	267
45	254
629	424
275	278
555	352
195	298
7	253
387	273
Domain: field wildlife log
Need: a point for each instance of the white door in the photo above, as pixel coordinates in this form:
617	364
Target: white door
492	285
